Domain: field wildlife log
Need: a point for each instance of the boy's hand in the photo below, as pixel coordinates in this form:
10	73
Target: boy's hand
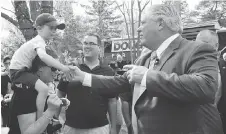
66	69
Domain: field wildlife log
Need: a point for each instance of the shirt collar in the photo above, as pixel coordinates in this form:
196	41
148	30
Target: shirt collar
84	64
165	44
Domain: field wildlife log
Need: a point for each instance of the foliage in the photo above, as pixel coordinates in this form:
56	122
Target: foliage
186	15
211	10
68	43
12	42
103	18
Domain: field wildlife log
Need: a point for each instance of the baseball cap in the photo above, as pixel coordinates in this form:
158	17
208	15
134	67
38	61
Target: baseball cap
49	20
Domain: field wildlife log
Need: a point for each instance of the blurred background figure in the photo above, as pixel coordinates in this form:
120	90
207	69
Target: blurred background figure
120	62
211	38
222	101
6	91
224	56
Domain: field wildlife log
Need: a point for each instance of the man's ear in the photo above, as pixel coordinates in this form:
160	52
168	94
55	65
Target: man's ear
161	24
40	71
39	27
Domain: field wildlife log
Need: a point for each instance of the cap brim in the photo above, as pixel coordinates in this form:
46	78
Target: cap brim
60	26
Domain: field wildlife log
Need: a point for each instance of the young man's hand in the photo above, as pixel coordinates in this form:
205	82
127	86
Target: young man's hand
8	97
53	102
65	103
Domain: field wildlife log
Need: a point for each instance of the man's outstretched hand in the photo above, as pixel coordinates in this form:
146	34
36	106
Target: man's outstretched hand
76	74
135	73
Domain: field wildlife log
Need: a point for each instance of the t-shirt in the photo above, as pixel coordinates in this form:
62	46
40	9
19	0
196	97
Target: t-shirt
4	85
24	56
88	108
23	102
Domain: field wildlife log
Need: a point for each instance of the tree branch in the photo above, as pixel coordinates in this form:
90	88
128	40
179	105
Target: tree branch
8	10
145	5
11	20
119	7
216	6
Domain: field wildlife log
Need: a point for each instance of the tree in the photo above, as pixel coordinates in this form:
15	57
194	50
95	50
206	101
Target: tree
123	9
69	42
104	20
182	6
129	10
12	42
140	9
23	20
211	10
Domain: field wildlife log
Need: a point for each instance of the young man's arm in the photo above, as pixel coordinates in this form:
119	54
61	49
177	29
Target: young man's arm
28	123
50	61
112	110
61	93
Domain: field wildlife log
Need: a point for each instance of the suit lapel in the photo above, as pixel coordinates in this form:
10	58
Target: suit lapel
169	52
140	62
142	59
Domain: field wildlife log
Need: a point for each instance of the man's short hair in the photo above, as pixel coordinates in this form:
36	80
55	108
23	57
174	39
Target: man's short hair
7	57
37	63
97	36
208	36
169	14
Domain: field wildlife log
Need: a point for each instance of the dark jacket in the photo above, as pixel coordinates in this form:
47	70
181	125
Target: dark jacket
184	82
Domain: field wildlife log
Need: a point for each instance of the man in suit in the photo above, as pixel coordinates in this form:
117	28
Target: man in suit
211	114
222	102
171	83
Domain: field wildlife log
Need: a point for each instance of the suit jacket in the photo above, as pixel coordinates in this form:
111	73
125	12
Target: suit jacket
184	82
222	101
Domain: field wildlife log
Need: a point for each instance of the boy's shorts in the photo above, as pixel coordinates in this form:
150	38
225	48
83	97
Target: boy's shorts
23	76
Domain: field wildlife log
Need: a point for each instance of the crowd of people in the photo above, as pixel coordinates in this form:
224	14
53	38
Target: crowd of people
176	86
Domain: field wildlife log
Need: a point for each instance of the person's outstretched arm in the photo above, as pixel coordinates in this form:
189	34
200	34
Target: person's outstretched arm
28	123
50	61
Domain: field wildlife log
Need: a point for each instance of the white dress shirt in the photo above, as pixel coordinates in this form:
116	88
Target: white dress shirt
159	52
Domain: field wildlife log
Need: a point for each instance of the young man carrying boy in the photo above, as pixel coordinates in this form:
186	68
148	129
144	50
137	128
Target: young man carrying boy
21	62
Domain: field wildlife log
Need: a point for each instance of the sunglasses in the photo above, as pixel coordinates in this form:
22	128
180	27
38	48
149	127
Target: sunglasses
7	63
89	44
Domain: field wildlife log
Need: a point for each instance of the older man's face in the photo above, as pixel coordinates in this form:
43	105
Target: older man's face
149	31
90	46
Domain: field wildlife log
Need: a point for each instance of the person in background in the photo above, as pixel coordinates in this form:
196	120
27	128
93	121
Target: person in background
211	37
87	113
120	61
222	101
5	79
6	91
212	120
